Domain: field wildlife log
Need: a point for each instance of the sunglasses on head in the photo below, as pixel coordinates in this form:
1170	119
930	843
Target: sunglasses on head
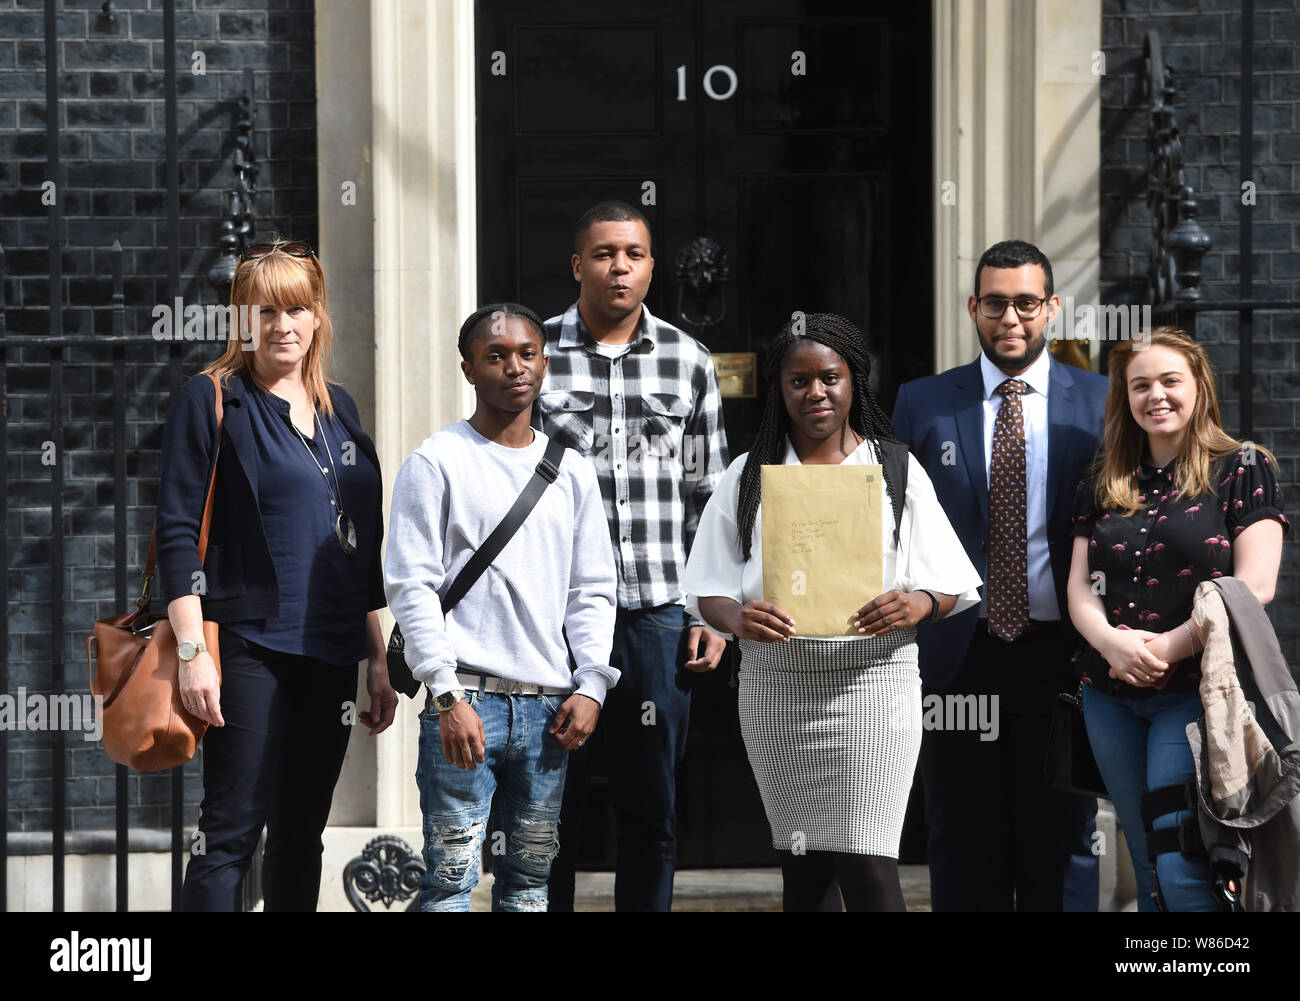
293	248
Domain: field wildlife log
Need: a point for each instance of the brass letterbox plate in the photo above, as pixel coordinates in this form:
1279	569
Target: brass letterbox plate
737	373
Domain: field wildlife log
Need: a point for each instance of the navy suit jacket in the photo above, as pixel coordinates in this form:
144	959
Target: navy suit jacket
240	575
941	419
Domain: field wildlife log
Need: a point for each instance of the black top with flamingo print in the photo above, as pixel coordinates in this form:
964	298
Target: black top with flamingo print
1154	559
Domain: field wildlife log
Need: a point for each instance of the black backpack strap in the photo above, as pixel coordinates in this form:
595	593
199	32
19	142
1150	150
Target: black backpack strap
543	476
893	456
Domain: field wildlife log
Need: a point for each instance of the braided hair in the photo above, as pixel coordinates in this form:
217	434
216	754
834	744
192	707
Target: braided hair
865	415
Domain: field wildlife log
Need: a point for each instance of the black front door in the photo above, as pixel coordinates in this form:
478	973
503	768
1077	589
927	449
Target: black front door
794	135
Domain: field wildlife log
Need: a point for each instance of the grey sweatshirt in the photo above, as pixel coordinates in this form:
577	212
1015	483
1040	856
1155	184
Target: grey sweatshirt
557	573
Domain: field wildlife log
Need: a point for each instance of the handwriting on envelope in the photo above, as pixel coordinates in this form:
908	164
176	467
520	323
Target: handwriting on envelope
822	543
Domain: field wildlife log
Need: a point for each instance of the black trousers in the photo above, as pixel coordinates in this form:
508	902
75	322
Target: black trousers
644	753
1001	838
273	764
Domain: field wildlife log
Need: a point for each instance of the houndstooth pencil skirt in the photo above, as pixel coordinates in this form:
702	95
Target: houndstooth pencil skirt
833	730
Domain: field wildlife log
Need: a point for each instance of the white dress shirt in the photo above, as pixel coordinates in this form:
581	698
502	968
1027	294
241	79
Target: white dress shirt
928	555
1042	588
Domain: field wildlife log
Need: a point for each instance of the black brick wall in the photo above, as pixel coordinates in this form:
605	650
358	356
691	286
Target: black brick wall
1202	42
112	143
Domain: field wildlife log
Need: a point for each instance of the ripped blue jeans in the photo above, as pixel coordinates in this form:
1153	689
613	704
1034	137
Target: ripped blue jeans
522	776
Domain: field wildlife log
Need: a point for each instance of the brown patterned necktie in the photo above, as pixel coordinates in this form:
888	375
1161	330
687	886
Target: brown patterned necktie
1008	570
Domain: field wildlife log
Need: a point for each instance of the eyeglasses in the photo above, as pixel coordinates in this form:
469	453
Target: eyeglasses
293	249
994	306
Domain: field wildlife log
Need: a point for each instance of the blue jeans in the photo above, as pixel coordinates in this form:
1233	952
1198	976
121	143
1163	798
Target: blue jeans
646	717
1142	744
522	775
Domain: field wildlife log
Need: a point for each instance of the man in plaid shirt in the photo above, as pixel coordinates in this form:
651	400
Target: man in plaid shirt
640	399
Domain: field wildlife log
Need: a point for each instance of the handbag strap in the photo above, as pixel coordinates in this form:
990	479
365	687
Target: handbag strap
125	677
543	476
205	524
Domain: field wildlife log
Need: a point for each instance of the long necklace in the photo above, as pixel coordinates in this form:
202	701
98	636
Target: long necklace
344	530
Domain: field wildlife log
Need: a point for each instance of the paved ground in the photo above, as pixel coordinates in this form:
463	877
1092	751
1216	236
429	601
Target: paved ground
716	890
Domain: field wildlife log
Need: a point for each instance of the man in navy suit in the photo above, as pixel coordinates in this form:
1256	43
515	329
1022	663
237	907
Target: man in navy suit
1005	439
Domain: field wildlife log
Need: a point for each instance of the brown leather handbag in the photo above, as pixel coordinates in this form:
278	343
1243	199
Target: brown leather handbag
145	724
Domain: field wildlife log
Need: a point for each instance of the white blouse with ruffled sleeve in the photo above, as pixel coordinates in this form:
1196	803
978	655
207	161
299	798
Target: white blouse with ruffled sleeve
928	555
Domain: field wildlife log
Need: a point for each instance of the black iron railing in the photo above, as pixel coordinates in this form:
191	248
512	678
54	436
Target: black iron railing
50	351
239	224
53	347
1178	242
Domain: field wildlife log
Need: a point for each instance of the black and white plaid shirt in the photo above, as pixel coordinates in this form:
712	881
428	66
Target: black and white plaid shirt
650	421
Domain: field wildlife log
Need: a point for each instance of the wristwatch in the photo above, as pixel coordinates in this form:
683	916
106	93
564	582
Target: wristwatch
188	650
448	700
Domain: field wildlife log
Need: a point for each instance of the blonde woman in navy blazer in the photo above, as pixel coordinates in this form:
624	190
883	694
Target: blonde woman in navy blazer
292	573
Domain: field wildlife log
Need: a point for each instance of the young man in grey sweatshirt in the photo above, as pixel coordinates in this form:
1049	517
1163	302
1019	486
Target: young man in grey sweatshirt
501	691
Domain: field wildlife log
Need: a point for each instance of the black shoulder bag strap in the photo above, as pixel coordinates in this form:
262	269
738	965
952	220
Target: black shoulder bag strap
543	476
894	457
399	675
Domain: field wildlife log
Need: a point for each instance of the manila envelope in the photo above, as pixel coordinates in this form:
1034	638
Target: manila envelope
821	543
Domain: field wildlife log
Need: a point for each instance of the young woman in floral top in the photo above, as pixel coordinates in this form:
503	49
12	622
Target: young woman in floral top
1172	501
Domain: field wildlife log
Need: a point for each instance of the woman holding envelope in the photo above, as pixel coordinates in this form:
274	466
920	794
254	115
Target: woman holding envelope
832	724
